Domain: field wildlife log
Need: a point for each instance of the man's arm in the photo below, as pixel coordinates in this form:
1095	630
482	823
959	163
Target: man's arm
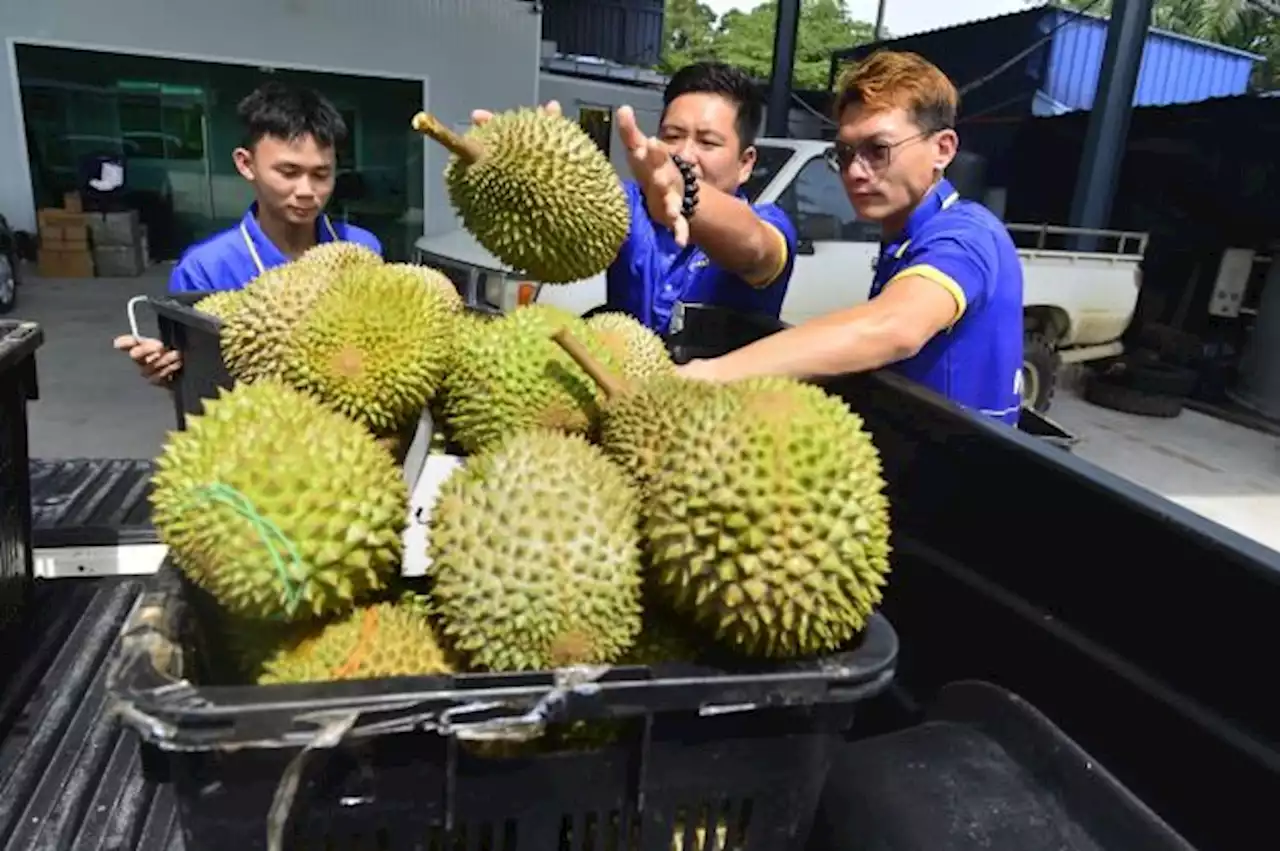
736	238
945	278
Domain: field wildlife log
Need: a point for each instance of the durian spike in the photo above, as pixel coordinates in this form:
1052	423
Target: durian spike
611	384
469	150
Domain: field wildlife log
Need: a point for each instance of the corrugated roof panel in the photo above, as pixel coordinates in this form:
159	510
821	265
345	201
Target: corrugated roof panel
1174	69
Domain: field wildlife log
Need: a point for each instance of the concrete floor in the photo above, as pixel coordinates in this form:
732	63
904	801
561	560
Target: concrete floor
94	403
1223	471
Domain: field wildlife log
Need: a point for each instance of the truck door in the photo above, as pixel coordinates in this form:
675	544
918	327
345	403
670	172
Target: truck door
836	251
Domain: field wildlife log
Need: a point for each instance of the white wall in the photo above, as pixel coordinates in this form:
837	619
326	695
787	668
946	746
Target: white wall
446	43
575	92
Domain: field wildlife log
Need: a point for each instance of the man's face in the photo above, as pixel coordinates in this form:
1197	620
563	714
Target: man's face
887	161
292	179
702	129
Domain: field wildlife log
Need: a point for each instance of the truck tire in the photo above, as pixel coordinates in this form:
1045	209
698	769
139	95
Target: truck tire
1103	391
1040	362
1159	378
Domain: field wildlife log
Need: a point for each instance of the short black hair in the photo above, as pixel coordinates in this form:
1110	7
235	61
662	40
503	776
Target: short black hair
731	83
288	112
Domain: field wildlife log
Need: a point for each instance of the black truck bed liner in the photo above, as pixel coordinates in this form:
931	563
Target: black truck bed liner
70	775
91	502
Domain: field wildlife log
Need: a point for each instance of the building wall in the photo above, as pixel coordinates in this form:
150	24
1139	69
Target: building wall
574	93
628	32
436	42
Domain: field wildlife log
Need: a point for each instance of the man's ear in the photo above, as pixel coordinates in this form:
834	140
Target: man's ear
947	143
243	159
746	164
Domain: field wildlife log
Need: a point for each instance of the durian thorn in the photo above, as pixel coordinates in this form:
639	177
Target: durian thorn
469	150
612	385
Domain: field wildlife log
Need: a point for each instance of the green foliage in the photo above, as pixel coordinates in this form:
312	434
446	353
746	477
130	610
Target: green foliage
692	33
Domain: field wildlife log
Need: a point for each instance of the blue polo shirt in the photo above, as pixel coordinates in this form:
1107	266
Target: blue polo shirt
231	259
965	249
651	272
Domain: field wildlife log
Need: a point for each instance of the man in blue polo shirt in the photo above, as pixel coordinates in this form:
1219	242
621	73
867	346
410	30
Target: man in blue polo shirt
946	301
694	237
289	158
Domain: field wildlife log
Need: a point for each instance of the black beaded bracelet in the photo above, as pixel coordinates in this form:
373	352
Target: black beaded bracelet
690	202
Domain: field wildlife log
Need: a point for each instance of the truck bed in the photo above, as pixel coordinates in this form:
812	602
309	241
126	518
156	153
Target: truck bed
985	768
70	775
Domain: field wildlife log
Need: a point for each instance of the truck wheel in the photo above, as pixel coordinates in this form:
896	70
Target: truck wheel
1105	393
8	285
1160	378
1040	362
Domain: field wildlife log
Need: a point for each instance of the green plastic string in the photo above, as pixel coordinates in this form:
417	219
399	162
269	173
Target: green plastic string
272	537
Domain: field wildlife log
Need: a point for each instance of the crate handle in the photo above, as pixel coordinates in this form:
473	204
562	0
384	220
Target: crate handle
579	679
132	310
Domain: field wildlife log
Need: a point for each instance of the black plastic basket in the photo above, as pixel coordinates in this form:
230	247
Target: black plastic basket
382	763
18	344
196	335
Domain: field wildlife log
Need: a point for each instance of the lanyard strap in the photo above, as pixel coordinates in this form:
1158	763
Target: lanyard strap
253	249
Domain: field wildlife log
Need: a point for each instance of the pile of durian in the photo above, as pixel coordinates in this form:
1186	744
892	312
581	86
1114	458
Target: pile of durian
605	510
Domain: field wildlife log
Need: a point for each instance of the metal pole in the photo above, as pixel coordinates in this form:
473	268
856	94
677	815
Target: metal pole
1104	142
880	20
786	27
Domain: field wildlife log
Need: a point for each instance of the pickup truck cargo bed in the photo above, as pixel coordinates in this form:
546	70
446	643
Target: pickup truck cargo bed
70	775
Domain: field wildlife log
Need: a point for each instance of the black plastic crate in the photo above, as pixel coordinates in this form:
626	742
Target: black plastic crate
18	344
379	763
196	336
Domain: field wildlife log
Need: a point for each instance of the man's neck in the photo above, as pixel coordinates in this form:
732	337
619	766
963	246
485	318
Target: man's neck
291	239
893	226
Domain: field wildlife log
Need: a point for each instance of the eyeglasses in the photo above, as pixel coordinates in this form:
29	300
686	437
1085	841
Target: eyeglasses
873	156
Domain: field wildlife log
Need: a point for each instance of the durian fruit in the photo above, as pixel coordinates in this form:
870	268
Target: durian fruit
638	415
640	352
535	556
385	639
636	427
508	375
220	304
254	339
536	191
339	254
278	506
766	520
373	345
437	280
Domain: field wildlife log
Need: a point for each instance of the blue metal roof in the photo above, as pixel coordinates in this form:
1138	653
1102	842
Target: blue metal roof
1061	74
1175	68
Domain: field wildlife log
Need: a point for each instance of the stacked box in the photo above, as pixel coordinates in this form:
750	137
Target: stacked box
119	244
64	244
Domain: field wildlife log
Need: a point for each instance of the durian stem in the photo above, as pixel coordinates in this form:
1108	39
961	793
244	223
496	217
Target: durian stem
612	385
469	150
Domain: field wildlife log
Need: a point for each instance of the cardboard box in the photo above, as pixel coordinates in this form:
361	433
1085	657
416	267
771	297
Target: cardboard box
123	228
72	202
119	261
52	217
65	263
65	237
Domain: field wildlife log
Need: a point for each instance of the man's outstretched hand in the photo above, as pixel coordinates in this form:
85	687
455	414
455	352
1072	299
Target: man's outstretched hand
656	174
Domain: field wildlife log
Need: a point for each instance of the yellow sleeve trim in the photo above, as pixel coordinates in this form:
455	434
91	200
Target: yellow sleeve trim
783	254
942	279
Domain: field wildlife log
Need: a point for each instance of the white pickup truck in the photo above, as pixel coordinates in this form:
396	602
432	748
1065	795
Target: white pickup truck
1078	303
